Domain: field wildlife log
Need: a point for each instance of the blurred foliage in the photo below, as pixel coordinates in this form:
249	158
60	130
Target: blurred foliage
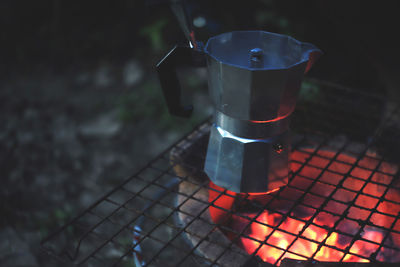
57	218
153	33
309	91
77	33
265	17
146	102
274	16
68	33
143	102
130	263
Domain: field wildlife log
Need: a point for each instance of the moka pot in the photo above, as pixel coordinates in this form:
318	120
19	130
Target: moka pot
253	79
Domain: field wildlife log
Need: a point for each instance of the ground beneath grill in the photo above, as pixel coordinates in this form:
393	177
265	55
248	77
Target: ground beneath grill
65	140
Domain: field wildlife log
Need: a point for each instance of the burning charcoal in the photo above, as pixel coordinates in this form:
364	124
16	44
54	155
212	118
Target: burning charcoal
299	263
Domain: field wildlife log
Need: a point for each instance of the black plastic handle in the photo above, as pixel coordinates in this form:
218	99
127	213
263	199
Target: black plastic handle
179	56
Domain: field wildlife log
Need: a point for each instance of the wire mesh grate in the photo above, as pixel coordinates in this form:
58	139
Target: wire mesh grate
342	202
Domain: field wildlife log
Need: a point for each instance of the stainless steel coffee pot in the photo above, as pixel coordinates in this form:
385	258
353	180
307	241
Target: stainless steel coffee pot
254	78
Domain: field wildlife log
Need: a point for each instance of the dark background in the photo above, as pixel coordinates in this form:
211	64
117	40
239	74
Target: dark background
81	107
358	38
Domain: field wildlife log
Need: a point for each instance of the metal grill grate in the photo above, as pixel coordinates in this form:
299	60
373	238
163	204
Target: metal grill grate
345	146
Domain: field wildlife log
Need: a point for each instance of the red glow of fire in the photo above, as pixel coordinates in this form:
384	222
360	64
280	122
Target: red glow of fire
273	236
273	120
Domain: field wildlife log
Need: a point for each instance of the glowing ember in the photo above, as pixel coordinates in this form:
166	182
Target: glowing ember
315	228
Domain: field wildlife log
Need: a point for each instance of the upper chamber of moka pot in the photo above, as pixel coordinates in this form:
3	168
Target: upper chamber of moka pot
256	75
254	78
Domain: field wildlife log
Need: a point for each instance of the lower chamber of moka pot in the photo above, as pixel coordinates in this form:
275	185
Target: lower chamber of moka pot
337	207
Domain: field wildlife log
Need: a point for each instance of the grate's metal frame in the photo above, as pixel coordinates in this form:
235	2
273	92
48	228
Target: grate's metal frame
105	234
